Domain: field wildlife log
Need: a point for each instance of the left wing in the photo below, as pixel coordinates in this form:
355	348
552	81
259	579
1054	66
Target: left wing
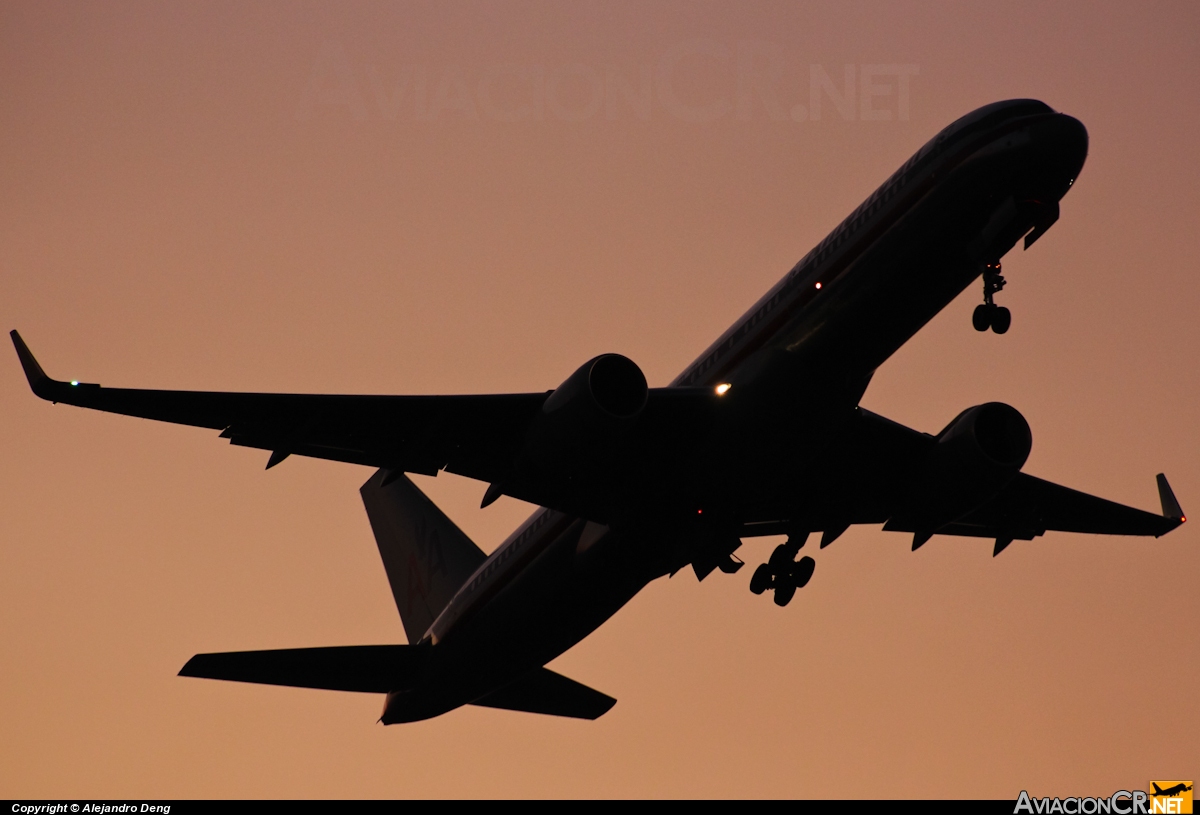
475	436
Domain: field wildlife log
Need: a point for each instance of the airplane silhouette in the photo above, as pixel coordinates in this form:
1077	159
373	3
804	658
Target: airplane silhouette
761	435
1170	792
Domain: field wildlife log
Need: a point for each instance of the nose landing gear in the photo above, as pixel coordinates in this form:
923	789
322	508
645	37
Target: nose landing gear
988	314
782	572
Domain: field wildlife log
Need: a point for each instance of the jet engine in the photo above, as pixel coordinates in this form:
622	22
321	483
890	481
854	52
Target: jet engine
609	388
974	457
582	416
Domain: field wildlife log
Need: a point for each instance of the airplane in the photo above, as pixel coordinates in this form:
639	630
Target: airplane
761	435
1170	792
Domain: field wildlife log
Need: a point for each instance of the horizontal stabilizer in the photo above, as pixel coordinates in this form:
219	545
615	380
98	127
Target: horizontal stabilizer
544	691
362	668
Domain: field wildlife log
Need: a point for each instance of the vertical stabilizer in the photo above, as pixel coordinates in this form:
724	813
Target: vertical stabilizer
427	557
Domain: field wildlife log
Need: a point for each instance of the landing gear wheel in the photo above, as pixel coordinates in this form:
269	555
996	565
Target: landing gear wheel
987	314
784	594
782	573
803	572
981	319
1001	319
760	581
781	558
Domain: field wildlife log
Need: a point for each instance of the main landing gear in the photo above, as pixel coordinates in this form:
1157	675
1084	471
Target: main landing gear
988	314
782	572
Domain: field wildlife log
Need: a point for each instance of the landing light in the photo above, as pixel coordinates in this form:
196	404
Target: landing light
723	388
818	285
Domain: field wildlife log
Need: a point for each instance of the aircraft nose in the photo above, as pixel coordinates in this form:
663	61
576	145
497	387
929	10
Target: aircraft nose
1066	140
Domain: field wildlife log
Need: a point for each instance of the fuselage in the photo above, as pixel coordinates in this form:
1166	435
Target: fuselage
960	202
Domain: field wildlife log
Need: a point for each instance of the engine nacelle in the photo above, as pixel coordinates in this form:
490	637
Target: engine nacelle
609	388
582	416
973	459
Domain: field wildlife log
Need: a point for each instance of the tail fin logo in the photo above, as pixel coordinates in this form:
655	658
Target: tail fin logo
429	546
416	587
1170	797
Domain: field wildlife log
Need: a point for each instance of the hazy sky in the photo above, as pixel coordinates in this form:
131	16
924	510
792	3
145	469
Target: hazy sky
477	197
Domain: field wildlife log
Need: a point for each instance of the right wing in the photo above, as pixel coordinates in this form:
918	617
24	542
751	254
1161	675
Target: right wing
1029	506
1024	509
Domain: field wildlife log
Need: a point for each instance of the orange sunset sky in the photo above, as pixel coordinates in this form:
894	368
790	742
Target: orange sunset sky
478	197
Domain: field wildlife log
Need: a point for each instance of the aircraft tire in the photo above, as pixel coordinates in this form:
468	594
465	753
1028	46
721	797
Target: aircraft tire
781	559
1001	319
981	319
760	581
803	572
784	594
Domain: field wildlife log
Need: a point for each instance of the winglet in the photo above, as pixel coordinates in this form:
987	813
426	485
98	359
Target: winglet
41	384
1170	505
33	371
